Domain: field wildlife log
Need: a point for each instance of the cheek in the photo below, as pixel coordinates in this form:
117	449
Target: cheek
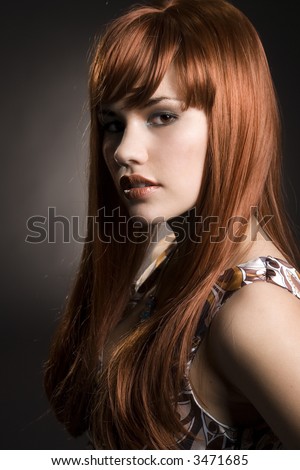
186	148
186	171
188	155
108	155
106	149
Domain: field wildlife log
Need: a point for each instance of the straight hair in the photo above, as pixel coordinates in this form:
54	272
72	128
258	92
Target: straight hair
222	69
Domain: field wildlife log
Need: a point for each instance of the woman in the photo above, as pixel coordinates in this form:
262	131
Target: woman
185	195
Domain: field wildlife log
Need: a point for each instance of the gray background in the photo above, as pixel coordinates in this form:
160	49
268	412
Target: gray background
44	57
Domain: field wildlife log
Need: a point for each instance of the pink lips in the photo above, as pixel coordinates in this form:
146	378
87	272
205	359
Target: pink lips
137	187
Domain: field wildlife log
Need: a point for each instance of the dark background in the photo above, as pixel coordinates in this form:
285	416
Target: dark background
44	59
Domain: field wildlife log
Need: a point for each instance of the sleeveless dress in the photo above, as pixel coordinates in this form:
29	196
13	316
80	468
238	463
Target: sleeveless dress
209	432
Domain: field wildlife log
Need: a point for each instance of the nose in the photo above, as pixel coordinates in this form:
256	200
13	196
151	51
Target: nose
132	148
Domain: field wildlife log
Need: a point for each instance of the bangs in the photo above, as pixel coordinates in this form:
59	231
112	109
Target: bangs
134	54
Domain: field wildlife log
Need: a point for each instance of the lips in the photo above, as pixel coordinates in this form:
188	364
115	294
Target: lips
137	187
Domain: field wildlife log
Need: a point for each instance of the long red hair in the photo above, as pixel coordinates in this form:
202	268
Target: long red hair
222	69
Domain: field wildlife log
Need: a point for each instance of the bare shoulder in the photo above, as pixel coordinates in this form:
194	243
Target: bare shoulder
255	344
255	308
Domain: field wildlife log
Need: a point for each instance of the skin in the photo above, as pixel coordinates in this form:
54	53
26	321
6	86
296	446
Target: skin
247	367
256	345
160	142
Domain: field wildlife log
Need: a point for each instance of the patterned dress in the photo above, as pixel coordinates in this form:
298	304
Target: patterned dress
209	432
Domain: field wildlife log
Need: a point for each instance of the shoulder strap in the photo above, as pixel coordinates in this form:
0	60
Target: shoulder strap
268	269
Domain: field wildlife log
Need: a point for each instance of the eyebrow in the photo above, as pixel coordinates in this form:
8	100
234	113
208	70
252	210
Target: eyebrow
151	102
158	99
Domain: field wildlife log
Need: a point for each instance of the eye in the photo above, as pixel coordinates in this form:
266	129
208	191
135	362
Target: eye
162	119
113	127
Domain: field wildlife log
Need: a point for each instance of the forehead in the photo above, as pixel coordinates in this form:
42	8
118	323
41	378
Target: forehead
168	89
169	85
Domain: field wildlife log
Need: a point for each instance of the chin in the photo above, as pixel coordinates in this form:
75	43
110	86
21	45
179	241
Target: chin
147	214
146	219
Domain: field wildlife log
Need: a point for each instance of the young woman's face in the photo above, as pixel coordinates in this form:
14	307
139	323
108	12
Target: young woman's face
156	154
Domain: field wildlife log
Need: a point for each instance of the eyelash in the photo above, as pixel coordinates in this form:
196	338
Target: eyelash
120	125
173	117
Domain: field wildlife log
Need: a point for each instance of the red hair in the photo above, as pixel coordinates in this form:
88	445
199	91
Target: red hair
222	69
